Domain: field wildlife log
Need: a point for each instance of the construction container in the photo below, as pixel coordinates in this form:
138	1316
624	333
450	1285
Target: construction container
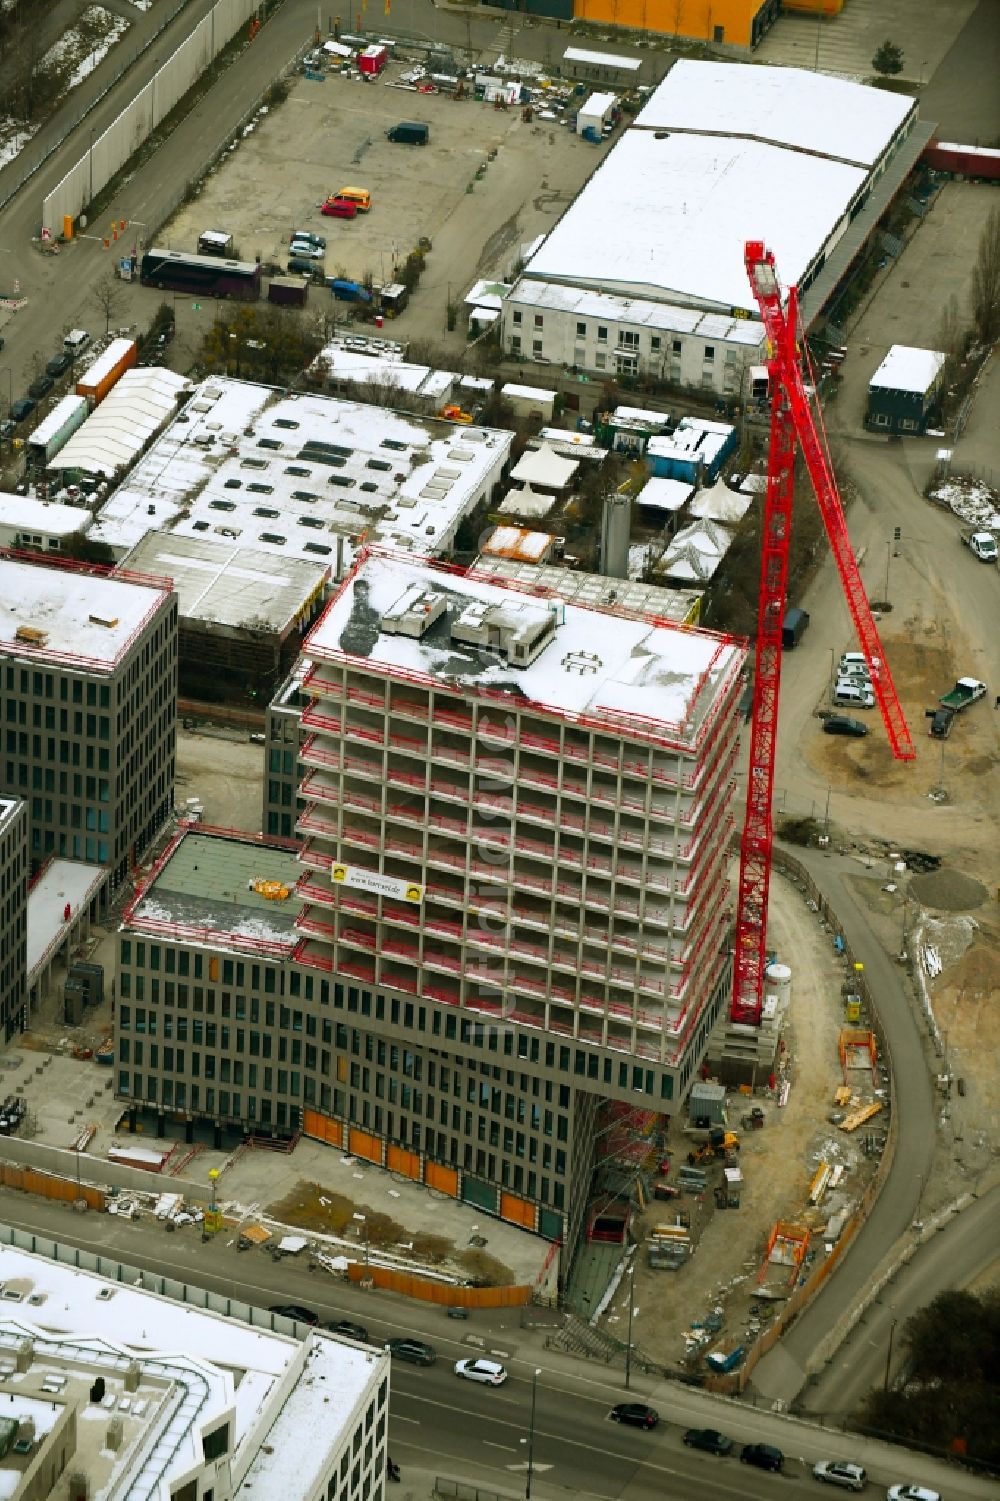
55	430
373	59
107	370
288	291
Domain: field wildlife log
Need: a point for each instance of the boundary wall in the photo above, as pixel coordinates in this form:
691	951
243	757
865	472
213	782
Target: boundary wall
138	120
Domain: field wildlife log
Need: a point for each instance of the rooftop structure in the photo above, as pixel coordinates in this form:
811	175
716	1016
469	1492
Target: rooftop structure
676	199
236	894
73	617
45	524
907	369
289	475
114	435
62	883
145	1397
517	811
809	111
665	494
516	542
679	606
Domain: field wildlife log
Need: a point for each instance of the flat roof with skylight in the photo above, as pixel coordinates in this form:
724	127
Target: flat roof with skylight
810	111
639	676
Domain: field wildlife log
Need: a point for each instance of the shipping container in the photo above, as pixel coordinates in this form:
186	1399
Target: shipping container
373	59
107	370
55	430
981	162
288	291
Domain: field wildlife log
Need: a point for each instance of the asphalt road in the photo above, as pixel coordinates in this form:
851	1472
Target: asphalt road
959	1254
440	1423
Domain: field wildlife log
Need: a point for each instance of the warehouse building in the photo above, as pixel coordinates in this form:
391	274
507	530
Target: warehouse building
88	673
13	915
304	477
644	272
904	394
110	1389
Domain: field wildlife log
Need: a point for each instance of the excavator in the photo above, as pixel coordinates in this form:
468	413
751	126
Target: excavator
719	1144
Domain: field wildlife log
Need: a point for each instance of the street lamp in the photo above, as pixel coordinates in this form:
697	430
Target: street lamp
888	1358
531	1437
631	1311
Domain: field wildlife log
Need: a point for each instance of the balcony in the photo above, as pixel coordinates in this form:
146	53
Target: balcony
312	821
315	717
319	753
324	679
318	787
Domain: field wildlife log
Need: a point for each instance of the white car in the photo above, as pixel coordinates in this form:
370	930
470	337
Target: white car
911	1493
306	250
839	1472
858	659
486	1371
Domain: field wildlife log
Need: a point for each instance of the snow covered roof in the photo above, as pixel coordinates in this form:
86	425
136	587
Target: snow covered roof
222	583
517	542
71	616
638	677
105	363
527	502
908	369
53	423
487	294
795	107
528	393
602	59
60	882
542	466
118	430
720	503
598	105
695	552
45	517
684	207
665	494
693	437
680	606
289	475
213	889
636	312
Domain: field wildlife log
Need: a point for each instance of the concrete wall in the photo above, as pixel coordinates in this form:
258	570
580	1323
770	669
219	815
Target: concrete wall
78	1167
109	152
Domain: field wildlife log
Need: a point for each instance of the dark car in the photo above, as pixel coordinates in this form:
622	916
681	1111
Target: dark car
41	386
843	724
458	1311
294	1311
23	407
941	721
635	1414
764	1456
709	1439
413	1351
349	1330
59	363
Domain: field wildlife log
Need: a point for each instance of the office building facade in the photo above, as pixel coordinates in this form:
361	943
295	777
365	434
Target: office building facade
13	915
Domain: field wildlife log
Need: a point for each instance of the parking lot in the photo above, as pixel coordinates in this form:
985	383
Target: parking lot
333	134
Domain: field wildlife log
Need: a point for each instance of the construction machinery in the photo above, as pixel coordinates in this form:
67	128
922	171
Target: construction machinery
791	420
720	1143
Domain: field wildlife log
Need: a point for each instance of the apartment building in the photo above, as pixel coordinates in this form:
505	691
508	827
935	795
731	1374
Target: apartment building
102	1396
88	691
13	914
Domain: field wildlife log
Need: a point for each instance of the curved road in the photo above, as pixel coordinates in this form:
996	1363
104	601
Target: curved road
781	1374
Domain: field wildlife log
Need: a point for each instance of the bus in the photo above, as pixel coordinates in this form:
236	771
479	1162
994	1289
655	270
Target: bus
206	275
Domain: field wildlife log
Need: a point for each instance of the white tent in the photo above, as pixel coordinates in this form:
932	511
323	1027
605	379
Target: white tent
543	467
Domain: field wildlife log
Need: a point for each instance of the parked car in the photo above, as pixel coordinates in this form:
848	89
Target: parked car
635	1415
340	208
307	251
413	1351
843	724
488	1372
23	407
849	1477
59	363
708	1439
349	1330
764	1456
458	1311
295	1311
306	237
911	1493
941	721
858	659
41	386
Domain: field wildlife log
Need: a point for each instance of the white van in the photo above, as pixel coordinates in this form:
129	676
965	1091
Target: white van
76	341
853	694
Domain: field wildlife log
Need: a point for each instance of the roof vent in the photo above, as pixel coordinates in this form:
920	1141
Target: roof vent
108	621
414	612
585	663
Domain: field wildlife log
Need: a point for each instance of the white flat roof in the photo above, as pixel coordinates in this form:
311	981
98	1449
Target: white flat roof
637	676
106	362
907	369
684	207
665	494
598	104
784	106
280	474
64	408
119	429
88	619
602	59
61	882
30	515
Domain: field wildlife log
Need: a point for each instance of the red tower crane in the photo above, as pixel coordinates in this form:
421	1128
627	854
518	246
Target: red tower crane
791	419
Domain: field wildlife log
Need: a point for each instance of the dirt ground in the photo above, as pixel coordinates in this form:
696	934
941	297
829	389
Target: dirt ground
778	1165
224	769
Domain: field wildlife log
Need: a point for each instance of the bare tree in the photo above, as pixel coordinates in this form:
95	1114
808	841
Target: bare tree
108	296
950	332
984	297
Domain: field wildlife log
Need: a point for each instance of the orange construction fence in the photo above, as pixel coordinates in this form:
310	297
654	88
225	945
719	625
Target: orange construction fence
413	1286
47	1186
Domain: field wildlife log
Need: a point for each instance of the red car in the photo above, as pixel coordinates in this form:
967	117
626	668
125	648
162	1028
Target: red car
339	208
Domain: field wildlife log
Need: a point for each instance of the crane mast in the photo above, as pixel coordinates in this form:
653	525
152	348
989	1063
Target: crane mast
791	421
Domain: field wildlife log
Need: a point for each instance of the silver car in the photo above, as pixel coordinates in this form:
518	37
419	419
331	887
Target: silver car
306	250
840	1472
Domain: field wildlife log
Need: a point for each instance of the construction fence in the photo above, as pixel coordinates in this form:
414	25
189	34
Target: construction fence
445	1294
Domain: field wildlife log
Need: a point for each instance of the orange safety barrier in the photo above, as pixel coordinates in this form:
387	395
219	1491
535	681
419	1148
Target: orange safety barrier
322	1128
399	1160
47	1186
444	1179
364	1144
518	1211
413	1286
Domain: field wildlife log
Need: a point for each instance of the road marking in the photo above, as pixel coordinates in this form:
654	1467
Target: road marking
507	1448
397	1418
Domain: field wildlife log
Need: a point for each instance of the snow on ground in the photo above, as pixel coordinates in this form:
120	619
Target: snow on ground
972	500
71	48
